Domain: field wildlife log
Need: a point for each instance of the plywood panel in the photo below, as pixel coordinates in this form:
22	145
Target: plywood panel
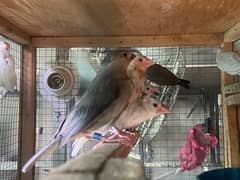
232	34
120	18
28	109
11	31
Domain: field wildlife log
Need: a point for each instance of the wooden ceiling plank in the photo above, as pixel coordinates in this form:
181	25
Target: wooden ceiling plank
12	32
129	41
120	18
232	34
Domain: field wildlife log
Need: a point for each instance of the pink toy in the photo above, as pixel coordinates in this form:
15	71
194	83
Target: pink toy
194	150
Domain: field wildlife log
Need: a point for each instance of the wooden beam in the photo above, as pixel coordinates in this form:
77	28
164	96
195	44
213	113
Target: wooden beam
28	109
129	41
10	31
100	165
227	158
230	122
238	117
232	34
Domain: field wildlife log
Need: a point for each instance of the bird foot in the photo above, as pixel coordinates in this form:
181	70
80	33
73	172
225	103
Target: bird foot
115	135
126	137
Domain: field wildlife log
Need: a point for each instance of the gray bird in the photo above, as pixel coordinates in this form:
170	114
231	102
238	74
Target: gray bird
162	76
105	99
142	109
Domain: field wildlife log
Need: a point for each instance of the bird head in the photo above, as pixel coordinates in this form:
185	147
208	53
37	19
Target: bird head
120	59
115	53
140	63
153	104
151	90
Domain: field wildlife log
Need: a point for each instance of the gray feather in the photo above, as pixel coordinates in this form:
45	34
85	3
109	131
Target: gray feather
47	149
100	94
106	97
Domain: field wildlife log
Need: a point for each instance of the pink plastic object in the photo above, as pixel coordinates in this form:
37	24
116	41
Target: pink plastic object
194	150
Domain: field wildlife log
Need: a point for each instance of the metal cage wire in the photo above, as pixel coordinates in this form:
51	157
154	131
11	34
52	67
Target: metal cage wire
9	121
159	148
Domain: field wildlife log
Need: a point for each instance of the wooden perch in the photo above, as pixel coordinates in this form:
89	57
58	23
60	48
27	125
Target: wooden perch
104	163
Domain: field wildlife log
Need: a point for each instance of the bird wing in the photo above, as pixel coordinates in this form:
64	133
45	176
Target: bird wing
101	98
11	73
8	75
107	118
162	76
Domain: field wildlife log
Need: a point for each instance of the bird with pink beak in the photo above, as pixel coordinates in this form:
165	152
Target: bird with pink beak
112	92
142	109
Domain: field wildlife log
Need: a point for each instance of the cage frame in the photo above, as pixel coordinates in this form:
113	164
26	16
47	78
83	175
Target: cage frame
28	80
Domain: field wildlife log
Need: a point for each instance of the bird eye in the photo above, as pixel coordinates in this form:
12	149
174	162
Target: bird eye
155	105
140	60
148	88
129	56
132	56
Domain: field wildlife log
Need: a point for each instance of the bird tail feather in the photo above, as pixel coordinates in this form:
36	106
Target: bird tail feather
184	83
47	149
78	145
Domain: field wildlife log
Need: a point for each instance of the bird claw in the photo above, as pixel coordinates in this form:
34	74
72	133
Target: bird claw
115	135
128	138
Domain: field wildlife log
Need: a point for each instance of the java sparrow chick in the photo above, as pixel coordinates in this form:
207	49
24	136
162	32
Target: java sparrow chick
143	108
8	77
162	76
104	100
136	71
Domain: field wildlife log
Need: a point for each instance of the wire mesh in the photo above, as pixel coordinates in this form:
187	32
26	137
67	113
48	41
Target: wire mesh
160	146
160	154
9	121
52	110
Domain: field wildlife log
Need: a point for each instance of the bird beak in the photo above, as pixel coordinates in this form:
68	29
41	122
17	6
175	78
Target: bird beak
163	109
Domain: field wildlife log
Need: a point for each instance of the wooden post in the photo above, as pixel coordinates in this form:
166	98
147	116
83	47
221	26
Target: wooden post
231	123
104	163
28	110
